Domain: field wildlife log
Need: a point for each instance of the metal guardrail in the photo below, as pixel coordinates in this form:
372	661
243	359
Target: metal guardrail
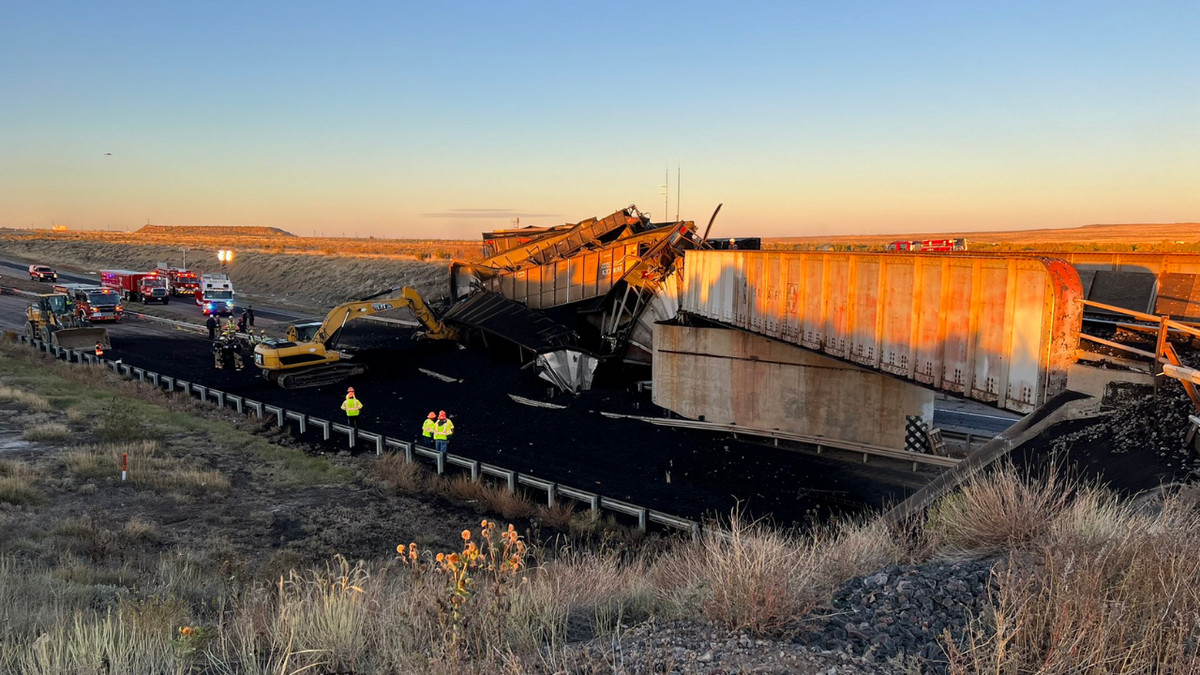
477	469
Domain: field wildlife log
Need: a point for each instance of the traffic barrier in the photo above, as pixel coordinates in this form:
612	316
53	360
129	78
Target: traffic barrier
324	424
377	438
509	476
590	498
344	429
403	445
300	420
476	468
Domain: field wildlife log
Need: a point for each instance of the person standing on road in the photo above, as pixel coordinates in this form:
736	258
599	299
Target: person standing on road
352	406
249	314
443	428
212	327
427	427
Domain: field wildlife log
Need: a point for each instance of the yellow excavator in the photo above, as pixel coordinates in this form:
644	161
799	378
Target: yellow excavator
51	320
307	358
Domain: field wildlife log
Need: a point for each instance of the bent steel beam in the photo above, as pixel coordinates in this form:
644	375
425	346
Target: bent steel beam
999	330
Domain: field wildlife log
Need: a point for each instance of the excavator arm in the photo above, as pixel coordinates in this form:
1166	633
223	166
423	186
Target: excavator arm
314	361
405	297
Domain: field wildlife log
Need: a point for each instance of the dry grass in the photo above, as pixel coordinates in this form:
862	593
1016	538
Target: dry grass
17	483
147	467
745	575
1109	589
996	512
48	432
25	398
403	476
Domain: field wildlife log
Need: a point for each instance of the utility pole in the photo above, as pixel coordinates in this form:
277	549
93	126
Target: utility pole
666	190
678	188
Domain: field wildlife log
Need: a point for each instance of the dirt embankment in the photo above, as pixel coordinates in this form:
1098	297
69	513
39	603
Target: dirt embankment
301	281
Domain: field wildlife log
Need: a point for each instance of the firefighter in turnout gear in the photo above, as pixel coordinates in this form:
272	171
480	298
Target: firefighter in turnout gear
443	428
427	428
352	406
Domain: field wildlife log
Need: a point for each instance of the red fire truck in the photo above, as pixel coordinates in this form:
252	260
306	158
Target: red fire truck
94	303
180	281
136	286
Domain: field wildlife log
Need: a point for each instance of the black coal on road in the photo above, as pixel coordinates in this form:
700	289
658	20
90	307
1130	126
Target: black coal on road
689	473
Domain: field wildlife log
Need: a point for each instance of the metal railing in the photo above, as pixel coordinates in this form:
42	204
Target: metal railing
476	469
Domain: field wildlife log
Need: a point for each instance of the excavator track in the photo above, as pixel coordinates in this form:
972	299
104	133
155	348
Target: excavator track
318	376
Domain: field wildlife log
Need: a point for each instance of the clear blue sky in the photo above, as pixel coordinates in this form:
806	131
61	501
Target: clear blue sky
445	119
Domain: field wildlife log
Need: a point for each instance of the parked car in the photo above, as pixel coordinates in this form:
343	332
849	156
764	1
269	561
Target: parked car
42	273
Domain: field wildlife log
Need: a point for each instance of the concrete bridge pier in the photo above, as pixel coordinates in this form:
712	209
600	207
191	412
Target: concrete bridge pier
728	376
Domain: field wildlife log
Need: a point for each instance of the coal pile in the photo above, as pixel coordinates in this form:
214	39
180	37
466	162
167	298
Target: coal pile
903	611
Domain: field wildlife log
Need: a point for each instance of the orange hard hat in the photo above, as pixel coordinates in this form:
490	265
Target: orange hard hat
432	415
441	413
349	390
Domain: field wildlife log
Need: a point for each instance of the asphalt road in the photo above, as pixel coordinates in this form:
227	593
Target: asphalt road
686	472
179	307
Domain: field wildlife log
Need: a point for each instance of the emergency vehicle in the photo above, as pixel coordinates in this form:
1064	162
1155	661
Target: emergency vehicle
215	295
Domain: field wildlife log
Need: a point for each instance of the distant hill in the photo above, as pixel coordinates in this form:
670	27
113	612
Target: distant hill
213	231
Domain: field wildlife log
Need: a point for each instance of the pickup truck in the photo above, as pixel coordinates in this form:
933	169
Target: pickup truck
42	273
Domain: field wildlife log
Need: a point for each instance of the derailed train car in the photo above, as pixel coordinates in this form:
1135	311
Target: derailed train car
607	280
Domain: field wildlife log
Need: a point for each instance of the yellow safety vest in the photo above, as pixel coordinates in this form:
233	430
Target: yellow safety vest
427	428
442	429
351	406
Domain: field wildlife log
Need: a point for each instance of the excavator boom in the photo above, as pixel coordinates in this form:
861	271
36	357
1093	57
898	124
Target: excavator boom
294	363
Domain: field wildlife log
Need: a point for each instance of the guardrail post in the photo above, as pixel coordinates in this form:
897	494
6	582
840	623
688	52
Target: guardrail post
324	424
696	532
184	385
140	374
474	471
301	421
256	406
277	412
594	504
220	396
641	516
551	493
203	392
236	400
127	371
153	378
441	463
168	382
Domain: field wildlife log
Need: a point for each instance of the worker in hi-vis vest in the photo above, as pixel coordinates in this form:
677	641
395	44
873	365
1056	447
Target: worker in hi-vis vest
427	428
442	430
352	406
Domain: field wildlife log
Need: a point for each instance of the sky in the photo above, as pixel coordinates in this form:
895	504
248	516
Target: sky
443	120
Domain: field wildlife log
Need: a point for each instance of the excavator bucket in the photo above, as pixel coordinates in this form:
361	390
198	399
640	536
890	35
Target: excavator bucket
81	338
